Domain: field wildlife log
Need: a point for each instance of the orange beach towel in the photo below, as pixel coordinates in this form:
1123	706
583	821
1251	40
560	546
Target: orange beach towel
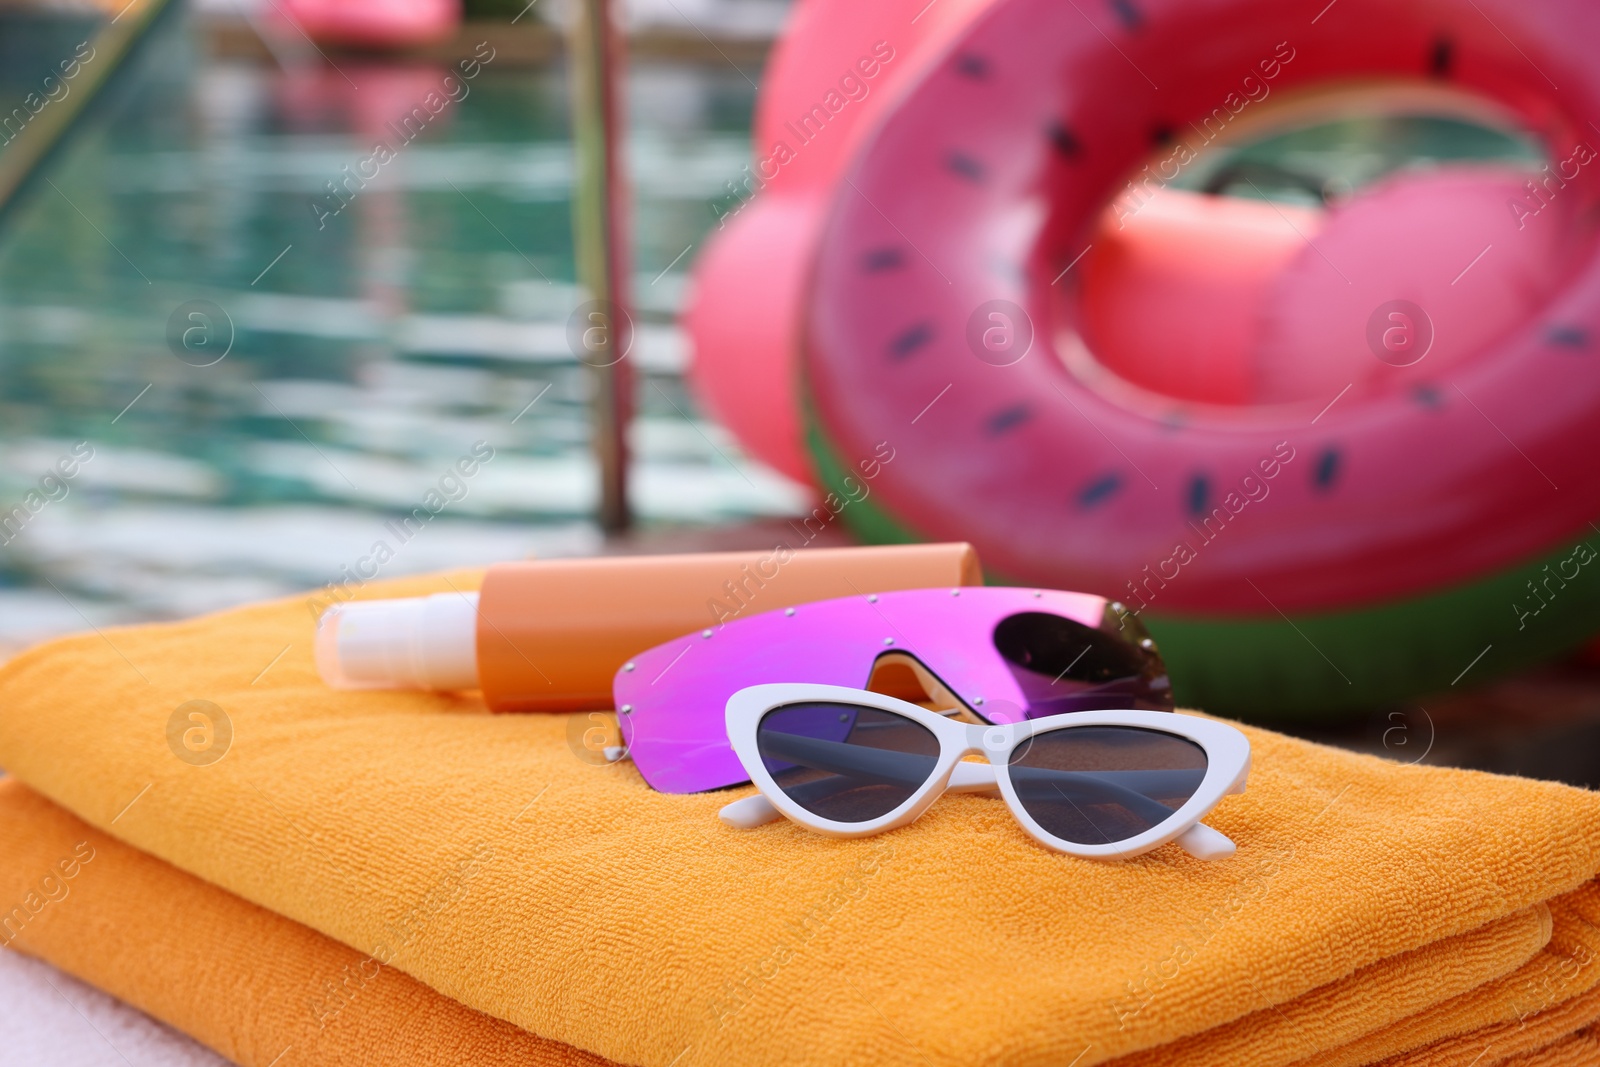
157	938
253	986
477	853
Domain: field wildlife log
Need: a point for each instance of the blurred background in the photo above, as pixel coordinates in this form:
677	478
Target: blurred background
267	384
368	353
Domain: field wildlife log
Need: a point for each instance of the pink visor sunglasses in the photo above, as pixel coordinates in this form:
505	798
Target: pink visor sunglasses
1004	654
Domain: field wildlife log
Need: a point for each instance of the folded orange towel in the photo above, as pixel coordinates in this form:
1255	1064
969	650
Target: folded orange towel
254	986
1550	996
478	854
1384	995
1512	1041
1579	1050
122	933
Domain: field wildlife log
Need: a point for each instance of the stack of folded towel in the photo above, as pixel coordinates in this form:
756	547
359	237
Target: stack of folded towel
402	878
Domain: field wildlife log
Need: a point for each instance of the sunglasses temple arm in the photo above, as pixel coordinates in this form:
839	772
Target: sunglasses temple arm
1204	843
749	813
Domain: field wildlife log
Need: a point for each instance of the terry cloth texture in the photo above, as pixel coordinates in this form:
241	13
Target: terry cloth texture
1384	994
255	986
1580	1050
478	853
50	1018
155	912
1548	997
1507	1042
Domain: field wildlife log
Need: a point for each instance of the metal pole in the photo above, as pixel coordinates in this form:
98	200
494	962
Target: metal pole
602	328
26	154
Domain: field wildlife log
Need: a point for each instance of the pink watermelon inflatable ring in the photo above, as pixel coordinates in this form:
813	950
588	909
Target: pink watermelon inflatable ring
1410	493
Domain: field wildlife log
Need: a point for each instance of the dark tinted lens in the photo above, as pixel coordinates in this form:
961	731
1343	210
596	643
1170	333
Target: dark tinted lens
844	762
1063	665
1095	785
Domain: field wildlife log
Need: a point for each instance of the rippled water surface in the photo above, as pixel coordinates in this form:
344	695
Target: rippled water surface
270	374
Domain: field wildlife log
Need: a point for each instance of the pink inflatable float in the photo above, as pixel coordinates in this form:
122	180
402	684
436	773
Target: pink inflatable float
1207	262
371	23
1384	481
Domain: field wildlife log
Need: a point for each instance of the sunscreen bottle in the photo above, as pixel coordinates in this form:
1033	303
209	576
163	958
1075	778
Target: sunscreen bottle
548	635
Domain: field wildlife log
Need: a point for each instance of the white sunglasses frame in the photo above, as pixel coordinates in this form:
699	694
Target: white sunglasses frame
1227	768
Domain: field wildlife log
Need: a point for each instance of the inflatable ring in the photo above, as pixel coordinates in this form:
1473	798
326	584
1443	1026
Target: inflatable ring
836	68
376	24
1316	554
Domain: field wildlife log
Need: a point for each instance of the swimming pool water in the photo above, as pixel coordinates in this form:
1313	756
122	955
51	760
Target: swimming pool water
270	373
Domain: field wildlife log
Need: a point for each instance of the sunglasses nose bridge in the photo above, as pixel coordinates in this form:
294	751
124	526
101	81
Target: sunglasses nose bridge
987	740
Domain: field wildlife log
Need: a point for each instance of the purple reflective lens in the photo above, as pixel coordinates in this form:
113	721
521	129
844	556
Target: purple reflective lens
1019	653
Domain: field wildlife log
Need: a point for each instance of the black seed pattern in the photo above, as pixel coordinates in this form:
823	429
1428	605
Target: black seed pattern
1428	396
1326	472
1442	57
1064	141
965	166
1566	336
1007	419
972	66
1100	490
910	339
878	260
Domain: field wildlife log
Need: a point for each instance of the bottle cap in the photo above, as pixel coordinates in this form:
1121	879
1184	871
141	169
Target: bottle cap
428	642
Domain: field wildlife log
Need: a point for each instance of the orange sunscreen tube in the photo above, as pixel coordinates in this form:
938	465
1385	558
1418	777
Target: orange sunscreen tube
548	635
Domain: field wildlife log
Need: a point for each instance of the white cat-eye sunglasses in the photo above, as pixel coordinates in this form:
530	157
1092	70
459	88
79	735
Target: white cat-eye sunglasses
1098	784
